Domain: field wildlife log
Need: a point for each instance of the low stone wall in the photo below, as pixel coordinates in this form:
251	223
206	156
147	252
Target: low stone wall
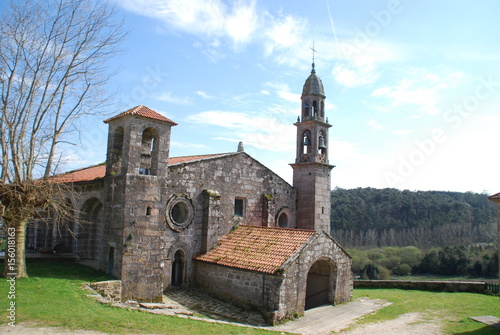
437	286
111	289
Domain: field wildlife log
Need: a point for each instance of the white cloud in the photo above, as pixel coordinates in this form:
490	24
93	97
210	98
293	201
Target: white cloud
289	96
210	19
263	131
171	98
239	22
178	144
205	95
283	91
284	33
375	125
352	76
242	23
422	88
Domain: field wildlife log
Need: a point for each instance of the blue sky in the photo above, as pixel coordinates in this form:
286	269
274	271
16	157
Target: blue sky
413	87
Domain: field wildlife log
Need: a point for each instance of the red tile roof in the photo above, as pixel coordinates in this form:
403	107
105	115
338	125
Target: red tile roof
86	174
143	111
98	171
262	249
494	196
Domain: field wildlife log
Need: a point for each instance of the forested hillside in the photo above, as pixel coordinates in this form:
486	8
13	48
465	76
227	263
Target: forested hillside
369	217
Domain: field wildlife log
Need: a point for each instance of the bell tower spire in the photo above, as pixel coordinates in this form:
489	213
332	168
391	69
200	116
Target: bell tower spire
311	170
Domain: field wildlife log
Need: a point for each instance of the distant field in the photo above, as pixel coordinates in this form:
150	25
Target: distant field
53	296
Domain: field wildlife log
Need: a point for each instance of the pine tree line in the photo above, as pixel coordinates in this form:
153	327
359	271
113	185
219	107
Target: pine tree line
368	217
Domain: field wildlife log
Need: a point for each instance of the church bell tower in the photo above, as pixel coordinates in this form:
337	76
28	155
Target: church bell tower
311	170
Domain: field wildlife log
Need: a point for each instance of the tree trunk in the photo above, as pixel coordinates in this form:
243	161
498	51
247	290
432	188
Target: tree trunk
15	257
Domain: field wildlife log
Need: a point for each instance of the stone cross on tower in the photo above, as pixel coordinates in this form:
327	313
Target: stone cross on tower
313	50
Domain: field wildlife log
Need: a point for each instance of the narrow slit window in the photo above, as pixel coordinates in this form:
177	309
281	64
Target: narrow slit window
238	207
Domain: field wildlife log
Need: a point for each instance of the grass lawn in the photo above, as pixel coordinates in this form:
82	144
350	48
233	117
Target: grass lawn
53	296
453	309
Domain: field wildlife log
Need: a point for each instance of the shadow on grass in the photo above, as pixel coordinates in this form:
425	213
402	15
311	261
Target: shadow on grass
64	270
486	330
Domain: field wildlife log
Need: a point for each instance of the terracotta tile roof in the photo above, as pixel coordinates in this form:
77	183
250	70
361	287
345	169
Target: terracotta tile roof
143	111
86	174
98	171
494	196
261	249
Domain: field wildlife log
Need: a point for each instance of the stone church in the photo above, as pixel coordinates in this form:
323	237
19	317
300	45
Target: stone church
223	222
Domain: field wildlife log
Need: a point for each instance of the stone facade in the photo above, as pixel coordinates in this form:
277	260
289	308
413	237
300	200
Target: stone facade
146	215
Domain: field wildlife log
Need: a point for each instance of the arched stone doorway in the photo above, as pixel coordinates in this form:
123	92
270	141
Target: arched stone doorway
177	278
319	290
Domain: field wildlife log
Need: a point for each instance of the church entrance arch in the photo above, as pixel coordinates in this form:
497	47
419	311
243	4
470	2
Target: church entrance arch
319	284
178	269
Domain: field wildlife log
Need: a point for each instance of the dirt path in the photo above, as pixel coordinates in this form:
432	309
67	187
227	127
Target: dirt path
410	323
27	328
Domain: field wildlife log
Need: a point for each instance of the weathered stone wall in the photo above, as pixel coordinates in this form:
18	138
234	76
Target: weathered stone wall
293	290
211	185
312	182
247	288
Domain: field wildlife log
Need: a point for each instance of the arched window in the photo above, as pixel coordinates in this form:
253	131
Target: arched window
118	139
306	109
315	109
321	143
178	269
283	220
149	152
306	142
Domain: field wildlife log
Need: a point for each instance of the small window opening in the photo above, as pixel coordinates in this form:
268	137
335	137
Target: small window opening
148	210
238	207
306	142
144	171
283	220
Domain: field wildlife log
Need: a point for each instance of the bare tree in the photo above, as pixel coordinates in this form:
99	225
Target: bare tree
54	57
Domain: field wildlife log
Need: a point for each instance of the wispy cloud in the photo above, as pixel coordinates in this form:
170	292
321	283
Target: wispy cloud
264	131
168	96
178	144
375	125
350	76
205	95
422	88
